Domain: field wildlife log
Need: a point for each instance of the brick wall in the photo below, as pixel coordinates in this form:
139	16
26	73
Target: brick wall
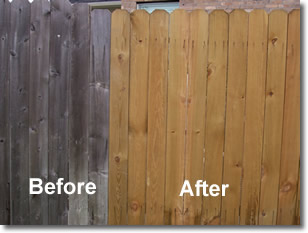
228	5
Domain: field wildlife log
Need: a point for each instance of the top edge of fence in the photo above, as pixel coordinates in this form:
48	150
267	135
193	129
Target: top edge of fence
31	1
208	11
228	11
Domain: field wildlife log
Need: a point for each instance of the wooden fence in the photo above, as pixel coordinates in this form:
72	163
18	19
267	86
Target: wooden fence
204	96
54	89
138	103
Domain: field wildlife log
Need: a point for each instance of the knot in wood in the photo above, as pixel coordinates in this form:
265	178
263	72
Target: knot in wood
274	40
286	187
134	206
209	71
32	27
271	93
120	57
117	159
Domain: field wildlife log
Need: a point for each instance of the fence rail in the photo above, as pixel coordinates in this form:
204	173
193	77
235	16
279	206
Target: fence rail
138	103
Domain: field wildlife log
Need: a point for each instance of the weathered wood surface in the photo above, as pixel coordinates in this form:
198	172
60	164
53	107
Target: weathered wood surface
78	112
118	136
58	113
4	113
38	106
99	115
19	110
235	116
157	117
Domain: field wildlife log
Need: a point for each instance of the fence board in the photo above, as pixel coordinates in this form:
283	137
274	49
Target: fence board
255	100
60	35
157	117
19	110
298	201
38	105
4	114
99	115
176	119
235	115
138	106
118	144
274	101
197	75
290	153
78	111
215	117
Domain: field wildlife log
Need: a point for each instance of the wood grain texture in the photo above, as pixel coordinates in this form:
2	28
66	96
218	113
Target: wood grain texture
99	115
298	200
78	112
60	38
19	111
215	113
196	101
38	105
254	124
235	116
157	117
118	132
4	113
138	116
274	101
176	119
137	103
290	153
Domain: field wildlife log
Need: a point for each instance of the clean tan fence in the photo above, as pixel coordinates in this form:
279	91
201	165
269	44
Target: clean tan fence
204	96
139	102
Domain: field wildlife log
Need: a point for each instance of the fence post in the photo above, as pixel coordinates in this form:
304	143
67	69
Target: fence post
99	114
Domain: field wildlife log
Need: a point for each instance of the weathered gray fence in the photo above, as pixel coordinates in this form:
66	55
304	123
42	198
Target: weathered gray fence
54	114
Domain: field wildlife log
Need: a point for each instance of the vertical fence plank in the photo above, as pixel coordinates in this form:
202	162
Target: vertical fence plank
197	75
235	115
291	126
4	114
298	201
274	102
38	105
176	119
60	34
138	106
78	112
99	115
215	116
118	142
19	110
157	117
255	98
